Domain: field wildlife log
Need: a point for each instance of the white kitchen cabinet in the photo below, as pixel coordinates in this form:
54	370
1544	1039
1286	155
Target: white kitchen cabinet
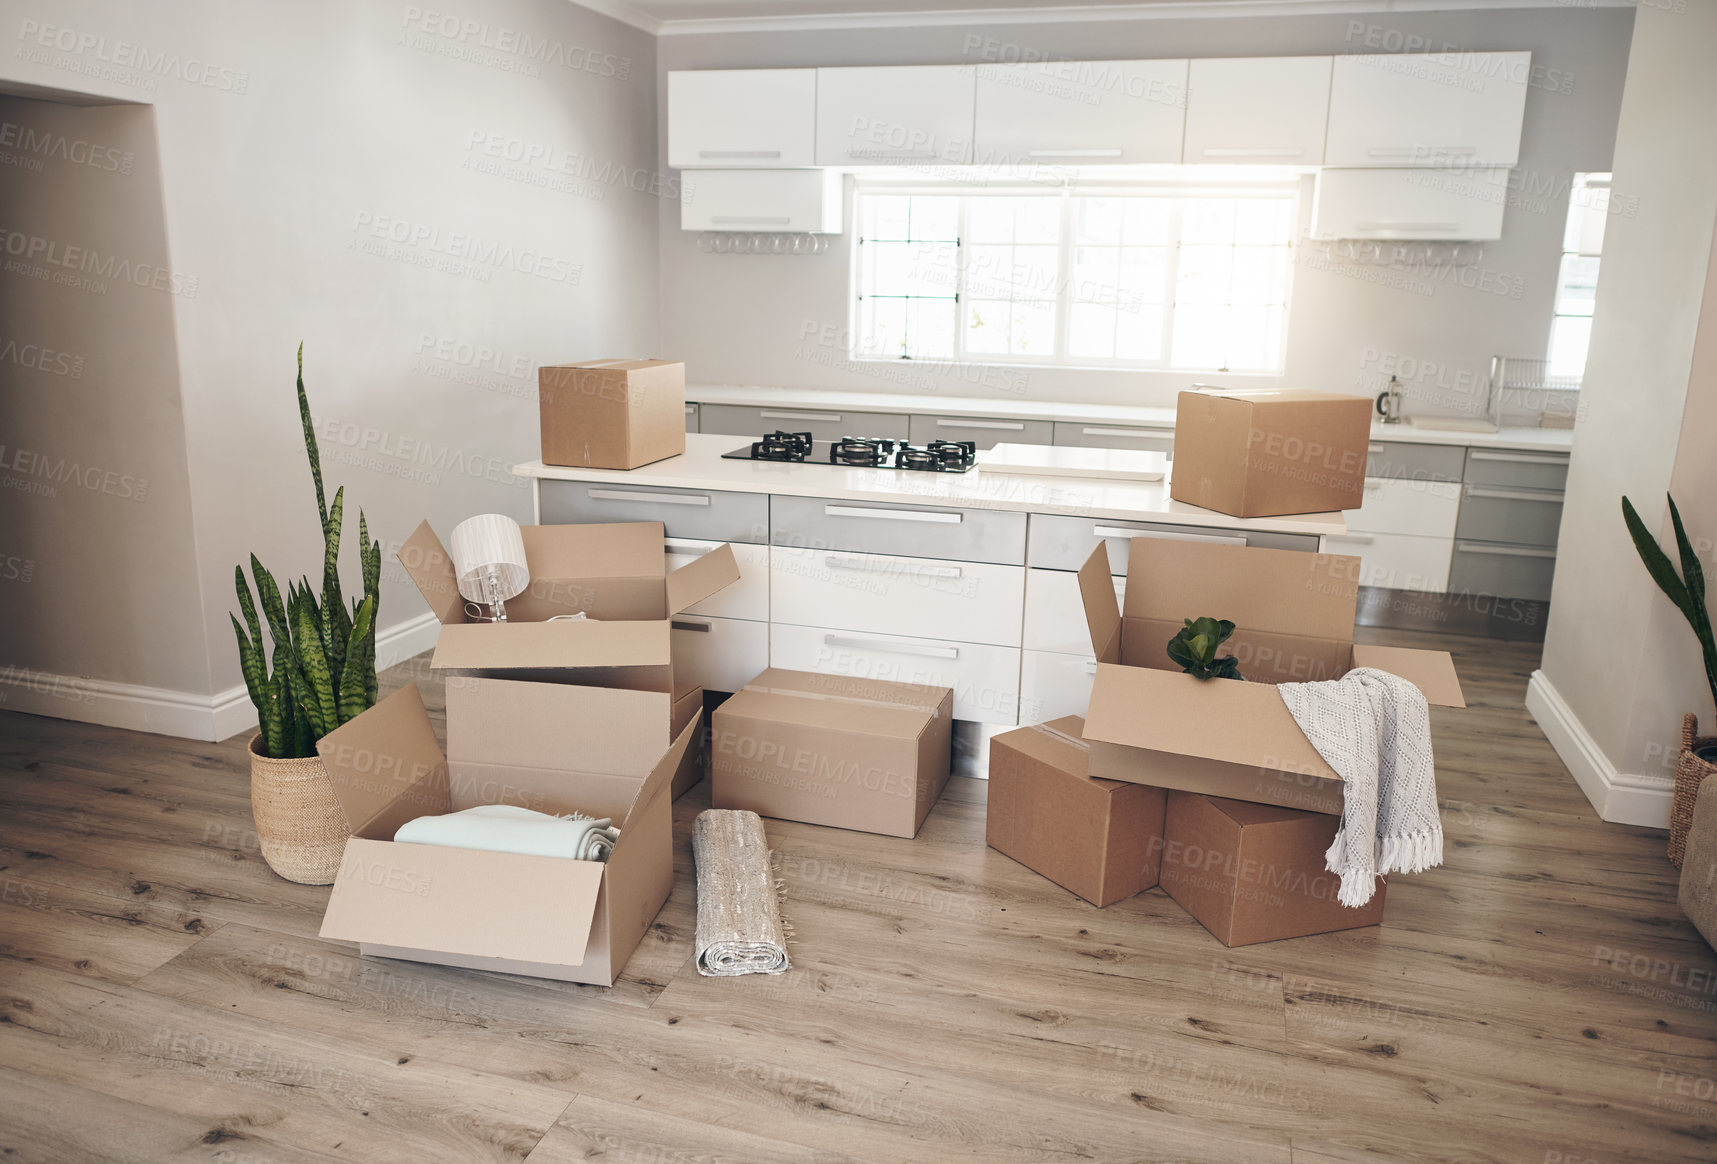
1052	685
1257	110
895	114
1441	109
1405	506
1055	613
737	118
972	602
1410	204
719	654
761	200
984	678
747	598
1080	112
1396	561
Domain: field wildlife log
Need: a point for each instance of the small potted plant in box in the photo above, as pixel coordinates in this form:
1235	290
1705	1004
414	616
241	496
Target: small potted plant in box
1194	647
1698	758
323	674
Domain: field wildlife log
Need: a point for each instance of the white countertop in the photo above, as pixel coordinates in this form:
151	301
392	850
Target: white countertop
1014	408
701	467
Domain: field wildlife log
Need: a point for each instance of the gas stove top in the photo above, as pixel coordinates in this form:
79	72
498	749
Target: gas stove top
860	453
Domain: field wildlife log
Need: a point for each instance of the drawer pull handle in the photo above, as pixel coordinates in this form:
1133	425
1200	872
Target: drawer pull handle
1113	531
646	495
1417	151
687	624
1112	152
867	155
1519	458
1356	539
893	648
1001	425
771	414
1491	493
1503	551
889	566
752	219
739	153
1248	152
1395	224
1374	450
893	514
1132	433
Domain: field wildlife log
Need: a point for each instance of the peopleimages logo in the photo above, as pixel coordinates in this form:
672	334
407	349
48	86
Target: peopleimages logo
474	253
58	147
132	63
53	256
539	50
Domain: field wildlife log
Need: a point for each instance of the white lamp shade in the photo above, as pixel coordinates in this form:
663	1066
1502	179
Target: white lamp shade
485	544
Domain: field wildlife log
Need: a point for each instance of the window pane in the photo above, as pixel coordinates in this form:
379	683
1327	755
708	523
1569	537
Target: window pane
1144	275
882	328
1205	274
1098	220
989	271
1036	271
1570	336
1039	220
1577	285
1260	221
1208	220
1254	275
1244	336
1146	221
936	218
1198	335
1091	331
1139	334
1096	274
930	328
987	326
884	216
990	220
1032	330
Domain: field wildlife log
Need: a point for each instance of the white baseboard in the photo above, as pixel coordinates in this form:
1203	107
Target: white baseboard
1634	798
175	713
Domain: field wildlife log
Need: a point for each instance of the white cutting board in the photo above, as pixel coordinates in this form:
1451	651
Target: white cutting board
1062	461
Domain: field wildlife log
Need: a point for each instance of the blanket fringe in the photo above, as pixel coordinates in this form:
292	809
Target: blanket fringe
1411	852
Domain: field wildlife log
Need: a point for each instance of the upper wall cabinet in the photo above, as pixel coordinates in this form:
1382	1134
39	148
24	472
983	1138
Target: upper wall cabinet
1438	110
1081	112
895	114
1257	111
742	118
1400	203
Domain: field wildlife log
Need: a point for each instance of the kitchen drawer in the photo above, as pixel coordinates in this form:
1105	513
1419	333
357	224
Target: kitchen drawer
1481	568
691	418
1398	505
719	654
963	535
1517	469
971	602
710	515
1418	462
746	598
1111	436
982	432
1397	561
985	679
1052	685
1063	543
823	424
1055	614
1522	517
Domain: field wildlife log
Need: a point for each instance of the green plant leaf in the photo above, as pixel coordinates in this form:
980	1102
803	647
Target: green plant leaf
359	660
1657	563
310	443
272	608
318	698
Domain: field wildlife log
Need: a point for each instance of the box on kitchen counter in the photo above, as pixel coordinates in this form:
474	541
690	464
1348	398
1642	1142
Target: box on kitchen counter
612	414
862	754
1255	872
1150	723
1101	839
1270	452
616	574
551	747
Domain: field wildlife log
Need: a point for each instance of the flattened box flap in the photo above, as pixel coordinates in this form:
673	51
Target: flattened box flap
464	901
662	775
1432	672
431	568
622	549
556	725
1102	610
568	643
386	762
1312	595
699	578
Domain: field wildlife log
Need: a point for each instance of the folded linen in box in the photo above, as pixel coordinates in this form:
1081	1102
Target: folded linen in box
508	828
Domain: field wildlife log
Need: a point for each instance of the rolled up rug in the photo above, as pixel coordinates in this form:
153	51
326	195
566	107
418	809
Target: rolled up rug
739	915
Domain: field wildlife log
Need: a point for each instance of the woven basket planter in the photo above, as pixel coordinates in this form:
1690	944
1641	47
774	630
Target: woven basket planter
300	827
1690	773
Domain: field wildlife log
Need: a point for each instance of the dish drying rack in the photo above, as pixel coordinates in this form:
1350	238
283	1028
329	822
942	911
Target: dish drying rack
1520	374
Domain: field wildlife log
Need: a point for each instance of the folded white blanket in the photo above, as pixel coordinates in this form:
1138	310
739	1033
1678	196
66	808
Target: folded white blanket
506	828
1374	729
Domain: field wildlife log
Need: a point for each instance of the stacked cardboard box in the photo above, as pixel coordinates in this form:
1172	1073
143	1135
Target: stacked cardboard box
612	414
1267	452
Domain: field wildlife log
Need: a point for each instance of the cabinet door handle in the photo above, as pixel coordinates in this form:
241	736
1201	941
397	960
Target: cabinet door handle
1374	450
1148	434
1490	493
1356	539
1519	458
1115	531
893	648
691	408
1417	151
893	514
739	153
999	425
776	414
1503	551
1109	152
1393	224
889	566
886	155
752	219
1248	152
646	495
1090	666
692	624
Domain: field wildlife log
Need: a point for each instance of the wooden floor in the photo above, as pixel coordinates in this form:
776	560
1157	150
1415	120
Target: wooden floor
1540	998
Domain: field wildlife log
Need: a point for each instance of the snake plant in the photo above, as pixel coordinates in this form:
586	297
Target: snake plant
322	670
1194	648
1686	591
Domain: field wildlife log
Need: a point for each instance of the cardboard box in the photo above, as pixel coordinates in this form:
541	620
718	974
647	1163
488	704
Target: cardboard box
1150	723
688	704
1254	872
551	747
612	414
1102	839
833	750
1269	452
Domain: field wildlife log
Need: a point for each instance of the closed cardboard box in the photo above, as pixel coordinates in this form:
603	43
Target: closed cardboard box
551	747
1271	452
1254	872
612	414
1102	839
859	754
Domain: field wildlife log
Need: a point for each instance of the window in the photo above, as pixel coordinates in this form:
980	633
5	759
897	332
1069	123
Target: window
1145	277
1577	279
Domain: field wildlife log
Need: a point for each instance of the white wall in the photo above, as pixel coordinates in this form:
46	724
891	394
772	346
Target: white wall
288	132
742	318
1620	664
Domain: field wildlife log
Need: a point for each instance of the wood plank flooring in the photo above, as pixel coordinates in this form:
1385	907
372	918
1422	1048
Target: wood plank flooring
1540	998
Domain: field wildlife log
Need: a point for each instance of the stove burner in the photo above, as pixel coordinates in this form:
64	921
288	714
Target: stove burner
861	452
782	446
938	457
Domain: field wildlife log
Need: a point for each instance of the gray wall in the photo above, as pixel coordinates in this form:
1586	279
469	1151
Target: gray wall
327	179
743	318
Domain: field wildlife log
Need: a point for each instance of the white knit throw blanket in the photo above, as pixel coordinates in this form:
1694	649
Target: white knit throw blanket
1374	729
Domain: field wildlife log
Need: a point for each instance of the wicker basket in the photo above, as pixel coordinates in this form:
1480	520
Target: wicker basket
300	827
1690	773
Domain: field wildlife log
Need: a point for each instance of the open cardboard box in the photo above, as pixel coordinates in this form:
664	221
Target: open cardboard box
551	747
1152	724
